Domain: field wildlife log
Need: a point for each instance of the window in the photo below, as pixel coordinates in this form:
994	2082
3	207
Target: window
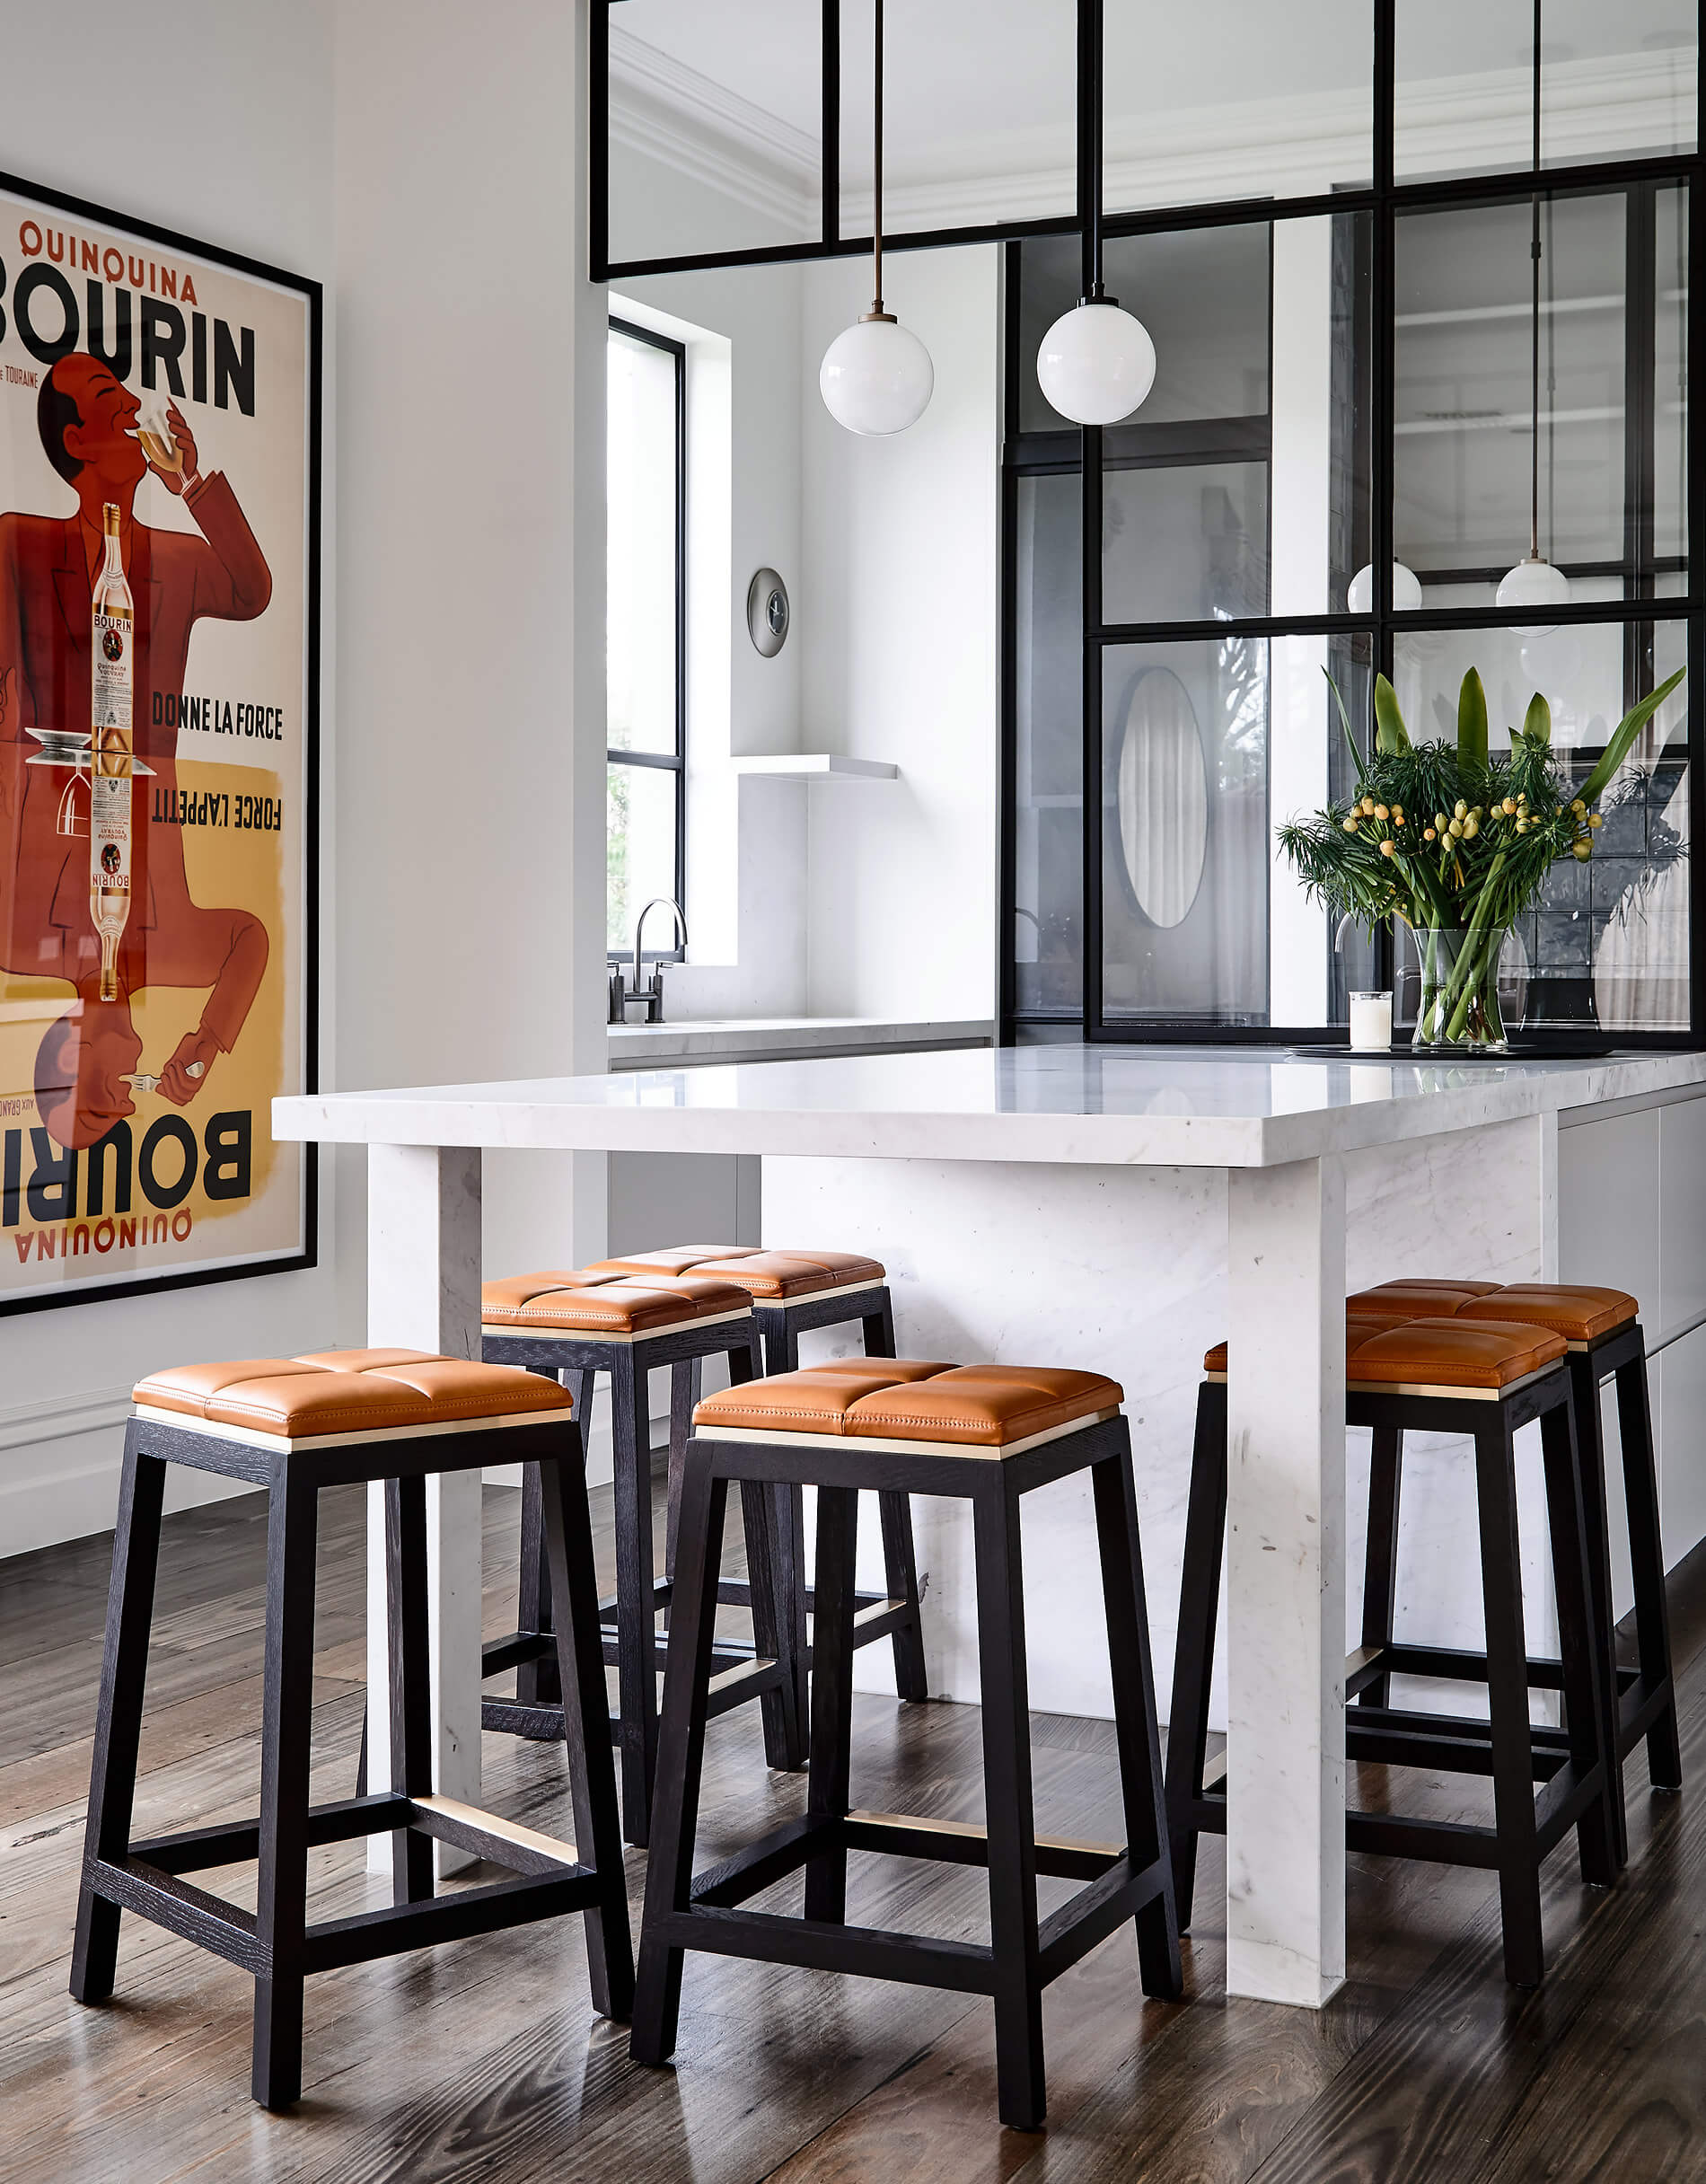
646	628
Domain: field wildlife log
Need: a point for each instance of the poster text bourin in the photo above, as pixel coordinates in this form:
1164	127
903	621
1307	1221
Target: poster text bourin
157	435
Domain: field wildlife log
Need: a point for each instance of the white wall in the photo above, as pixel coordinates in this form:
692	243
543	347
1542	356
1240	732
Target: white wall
219	125
471	533
900	648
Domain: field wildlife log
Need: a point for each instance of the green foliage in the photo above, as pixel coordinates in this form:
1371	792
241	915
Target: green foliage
1443	836
1472	722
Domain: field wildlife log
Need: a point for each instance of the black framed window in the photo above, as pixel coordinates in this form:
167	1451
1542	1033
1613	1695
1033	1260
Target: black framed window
646	821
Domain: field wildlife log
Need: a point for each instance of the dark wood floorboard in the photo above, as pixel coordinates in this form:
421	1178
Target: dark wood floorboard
483	2060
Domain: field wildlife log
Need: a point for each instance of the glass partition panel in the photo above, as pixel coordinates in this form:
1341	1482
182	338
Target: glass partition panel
716	127
1207	745
1612	404
980	113
1616	83
1184	543
1235	99
1612	932
1048	790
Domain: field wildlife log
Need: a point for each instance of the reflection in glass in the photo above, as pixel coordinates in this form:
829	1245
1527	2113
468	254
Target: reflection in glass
966	142
1047	800
1464	432
1617	925
716	127
1186	542
1616	83
641	564
1227	98
1162	797
1212	962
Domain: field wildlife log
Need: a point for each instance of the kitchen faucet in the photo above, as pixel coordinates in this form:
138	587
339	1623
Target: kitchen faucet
652	993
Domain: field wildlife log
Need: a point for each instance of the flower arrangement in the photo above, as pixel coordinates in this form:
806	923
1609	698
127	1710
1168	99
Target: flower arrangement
1455	842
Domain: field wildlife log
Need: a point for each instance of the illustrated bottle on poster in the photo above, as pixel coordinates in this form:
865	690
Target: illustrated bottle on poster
110	750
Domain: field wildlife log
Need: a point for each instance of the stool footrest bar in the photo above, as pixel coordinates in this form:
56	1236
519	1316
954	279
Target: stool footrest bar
865	1952
191	1848
1095	1913
770	1859
1389	1834
192	1913
898	1835
396	1927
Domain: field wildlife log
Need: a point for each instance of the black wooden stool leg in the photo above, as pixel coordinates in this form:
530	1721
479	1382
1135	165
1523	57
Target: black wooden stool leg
124	1669
1134	1716
635	1599
1588	1448
287	1710
669	1874
1021	2093
1647	1556
1205	1527
772	1579
1589	1690
686	1382
829	1781
591	1774
1508	1696
782	1354
1380	1560
535	1680
899	1553
410	1708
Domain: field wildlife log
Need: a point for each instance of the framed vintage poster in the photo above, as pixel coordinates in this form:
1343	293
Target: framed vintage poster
159	683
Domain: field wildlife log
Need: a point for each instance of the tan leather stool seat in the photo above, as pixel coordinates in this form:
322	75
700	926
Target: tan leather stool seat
769	1277
902	1399
1457	1355
591	1301
1359	1327
348	1391
1579	1313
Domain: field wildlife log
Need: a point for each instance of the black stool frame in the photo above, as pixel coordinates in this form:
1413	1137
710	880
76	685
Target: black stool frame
894	1615
274	1944
1640	1701
1569	1762
763	1670
1130	1881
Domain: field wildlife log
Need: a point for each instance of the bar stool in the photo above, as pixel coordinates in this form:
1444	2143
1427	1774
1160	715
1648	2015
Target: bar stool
295	1425
576	1326
1483	1380
1602	1327
792	1292
988	1434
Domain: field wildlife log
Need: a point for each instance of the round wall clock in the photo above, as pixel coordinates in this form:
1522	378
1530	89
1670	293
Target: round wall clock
766	613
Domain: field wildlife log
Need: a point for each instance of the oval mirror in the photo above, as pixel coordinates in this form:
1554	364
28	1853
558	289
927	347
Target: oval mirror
1162	797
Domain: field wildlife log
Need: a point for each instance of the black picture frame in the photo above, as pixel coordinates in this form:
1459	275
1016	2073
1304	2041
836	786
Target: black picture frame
306	1254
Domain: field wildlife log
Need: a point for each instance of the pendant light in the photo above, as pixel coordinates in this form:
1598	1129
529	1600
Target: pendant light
1535	582
876	378
1097	363
1406	590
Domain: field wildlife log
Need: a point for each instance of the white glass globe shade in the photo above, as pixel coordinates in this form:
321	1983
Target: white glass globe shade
1096	364
877	377
1533	584
1406	590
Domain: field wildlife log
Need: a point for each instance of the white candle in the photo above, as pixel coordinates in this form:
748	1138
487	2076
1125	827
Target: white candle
1371	1021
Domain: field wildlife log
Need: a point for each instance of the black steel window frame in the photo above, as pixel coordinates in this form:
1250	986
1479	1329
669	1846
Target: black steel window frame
668	762
1386	200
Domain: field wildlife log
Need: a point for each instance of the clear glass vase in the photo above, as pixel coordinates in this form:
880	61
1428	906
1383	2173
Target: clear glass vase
1457	1008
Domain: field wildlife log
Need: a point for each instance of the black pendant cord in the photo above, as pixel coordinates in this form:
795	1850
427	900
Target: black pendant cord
1533	373
877	311
1090	150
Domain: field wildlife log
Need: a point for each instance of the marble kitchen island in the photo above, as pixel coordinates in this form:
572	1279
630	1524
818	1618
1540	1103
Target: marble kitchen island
1121	1208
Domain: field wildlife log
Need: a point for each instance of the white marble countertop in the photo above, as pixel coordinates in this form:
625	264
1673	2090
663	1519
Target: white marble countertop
768	1038
1167	1106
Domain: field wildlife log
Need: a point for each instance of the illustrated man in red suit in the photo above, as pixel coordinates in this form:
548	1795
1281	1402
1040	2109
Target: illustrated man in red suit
48	570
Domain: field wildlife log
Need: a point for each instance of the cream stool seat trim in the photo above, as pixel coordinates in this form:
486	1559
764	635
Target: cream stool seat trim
768	1437
186	1422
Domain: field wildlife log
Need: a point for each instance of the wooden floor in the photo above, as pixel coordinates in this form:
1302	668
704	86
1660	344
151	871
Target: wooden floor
482	2060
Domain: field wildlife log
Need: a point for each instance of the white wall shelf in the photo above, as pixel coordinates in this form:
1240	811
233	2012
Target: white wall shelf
818	766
